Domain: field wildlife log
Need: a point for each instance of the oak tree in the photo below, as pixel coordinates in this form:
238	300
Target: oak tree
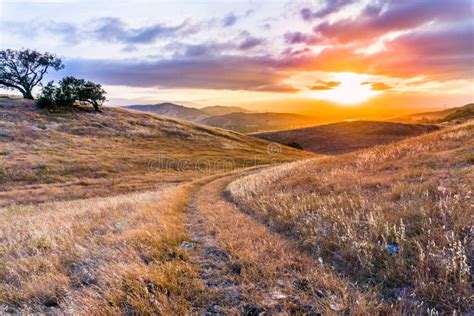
24	69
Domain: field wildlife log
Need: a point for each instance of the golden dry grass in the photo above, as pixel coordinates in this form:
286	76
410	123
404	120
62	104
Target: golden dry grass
396	219
73	239
94	256
384	230
50	157
273	276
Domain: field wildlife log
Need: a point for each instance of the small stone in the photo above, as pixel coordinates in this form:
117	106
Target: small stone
276	295
336	307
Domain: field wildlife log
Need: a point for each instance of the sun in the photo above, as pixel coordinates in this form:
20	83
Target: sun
349	91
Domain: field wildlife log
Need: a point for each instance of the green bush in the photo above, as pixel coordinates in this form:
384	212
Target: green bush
71	92
295	145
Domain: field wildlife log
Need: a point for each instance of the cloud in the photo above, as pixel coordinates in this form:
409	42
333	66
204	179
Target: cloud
250	42
325	85
392	16
106	29
377	86
290	52
229	20
115	30
284	88
446	53
300	38
69	32
439	53
205	49
213	72
331	6
210	49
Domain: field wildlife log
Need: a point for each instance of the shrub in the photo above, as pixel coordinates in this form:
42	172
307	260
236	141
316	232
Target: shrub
47	98
71	92
295	145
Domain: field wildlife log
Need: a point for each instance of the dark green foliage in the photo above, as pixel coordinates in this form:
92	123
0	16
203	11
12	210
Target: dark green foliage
24	69
71	92
47	97
295	145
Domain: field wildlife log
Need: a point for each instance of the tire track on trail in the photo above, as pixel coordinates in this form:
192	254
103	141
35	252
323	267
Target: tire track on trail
248	269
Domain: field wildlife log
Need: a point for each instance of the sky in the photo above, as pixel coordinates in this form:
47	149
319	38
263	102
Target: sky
285	56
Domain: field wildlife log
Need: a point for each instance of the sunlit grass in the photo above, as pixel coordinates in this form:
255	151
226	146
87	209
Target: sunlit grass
395	218
104	255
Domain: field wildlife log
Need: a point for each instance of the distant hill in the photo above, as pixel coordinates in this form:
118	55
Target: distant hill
345	137
456	113
222	110
462	114
254	122
229	117
172	110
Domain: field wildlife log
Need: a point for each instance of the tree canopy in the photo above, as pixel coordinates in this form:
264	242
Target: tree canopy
70	92
24	69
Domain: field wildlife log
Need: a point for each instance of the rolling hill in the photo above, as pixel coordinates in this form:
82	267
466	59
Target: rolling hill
222	110
124	212
344	137
395	220
229	117
171	110
80	154
253	122
457	113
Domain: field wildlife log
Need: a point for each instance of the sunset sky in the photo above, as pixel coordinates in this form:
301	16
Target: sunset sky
293	56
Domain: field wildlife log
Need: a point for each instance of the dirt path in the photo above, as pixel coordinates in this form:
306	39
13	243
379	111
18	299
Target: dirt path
223	291
247	268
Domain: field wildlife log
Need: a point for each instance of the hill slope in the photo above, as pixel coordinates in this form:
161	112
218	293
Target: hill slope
344	137
56	156
396	219
222	110
229	117
172	110
462	112
253	122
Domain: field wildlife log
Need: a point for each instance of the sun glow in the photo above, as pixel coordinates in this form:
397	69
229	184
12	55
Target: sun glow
350	91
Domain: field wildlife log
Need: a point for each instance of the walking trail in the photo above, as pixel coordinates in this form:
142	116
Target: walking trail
247	268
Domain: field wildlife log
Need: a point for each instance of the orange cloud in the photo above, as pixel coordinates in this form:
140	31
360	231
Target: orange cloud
377	86
325	85
278	88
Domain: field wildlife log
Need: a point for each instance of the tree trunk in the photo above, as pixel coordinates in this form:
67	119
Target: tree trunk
27	95
96	106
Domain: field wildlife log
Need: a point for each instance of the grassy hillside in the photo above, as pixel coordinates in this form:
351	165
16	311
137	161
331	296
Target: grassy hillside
346	136
221	110
456	113
172	110
81	154
395	219
254	122
113	255
460	115
228	117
